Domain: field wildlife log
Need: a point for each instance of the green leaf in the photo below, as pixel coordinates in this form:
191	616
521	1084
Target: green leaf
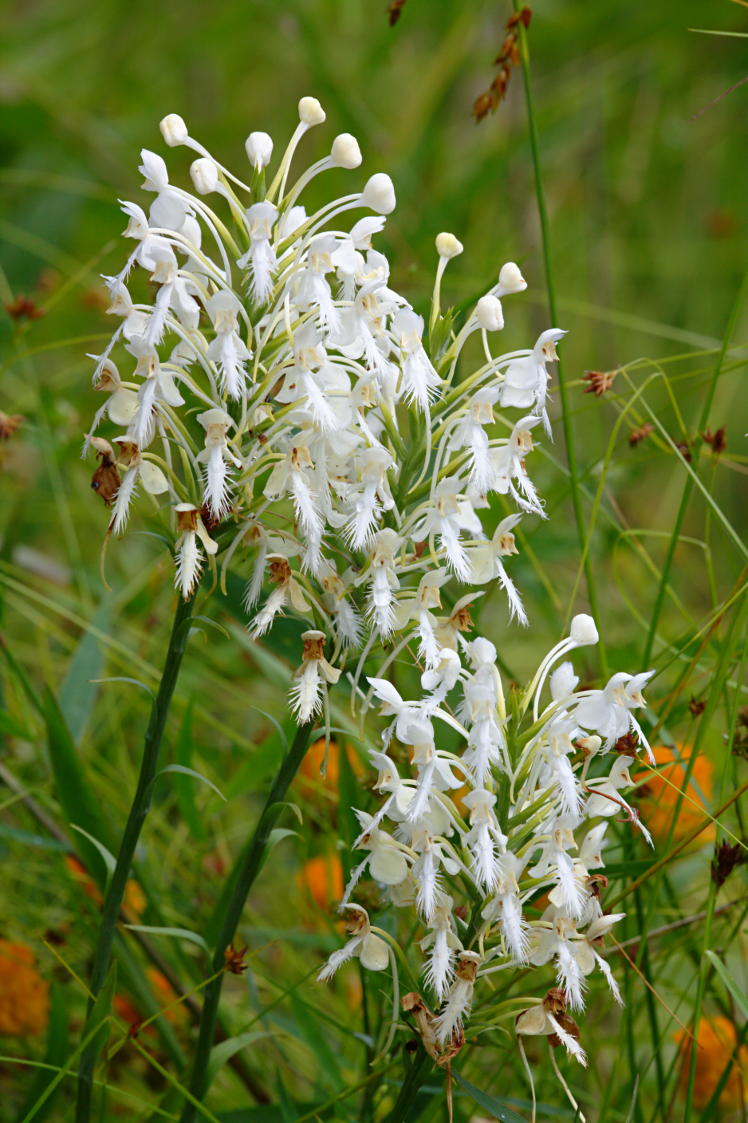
107	857
498	1108
276	808
78	803
78	691
737	992
207	622
125	678
221	1054
185	791
277	835
184	771
175	933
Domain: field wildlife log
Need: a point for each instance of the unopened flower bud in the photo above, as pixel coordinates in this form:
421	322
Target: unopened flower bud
204	175
173	130
489	313
345	151
311	112
448	246
510	278
259	149
583	630
379	194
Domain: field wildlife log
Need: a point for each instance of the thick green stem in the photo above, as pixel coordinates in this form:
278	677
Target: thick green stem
571	456
135	820
247	868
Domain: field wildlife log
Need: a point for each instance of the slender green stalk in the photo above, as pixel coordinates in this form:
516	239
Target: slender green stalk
691	478
571	455
135	820
247	868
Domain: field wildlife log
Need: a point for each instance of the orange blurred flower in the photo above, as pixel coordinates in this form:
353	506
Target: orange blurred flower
312	784
164	994
716	1040
322	878
134	902
24	994
660	790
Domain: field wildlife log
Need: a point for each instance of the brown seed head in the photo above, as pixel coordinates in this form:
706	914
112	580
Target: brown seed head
235	959
598	381
726	858
22	308
718	440
636	436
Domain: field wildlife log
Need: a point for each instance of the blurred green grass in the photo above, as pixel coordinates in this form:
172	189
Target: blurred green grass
648	219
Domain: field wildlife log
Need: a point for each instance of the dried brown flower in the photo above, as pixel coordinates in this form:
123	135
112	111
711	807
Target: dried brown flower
23	308
599	381
235	959
636	436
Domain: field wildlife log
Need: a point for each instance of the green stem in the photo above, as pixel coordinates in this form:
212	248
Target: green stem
691	479
135	820
571	456
247	868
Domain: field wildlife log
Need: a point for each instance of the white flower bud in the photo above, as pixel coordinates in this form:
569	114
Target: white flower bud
448	246
345	151
489	313
173	130
379	194
259	148
204	175
583	631
510	278
311	112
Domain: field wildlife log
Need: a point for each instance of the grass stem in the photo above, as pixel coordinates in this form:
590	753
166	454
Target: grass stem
135	820
243	877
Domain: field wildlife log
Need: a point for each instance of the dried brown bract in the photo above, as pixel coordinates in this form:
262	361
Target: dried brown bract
106	479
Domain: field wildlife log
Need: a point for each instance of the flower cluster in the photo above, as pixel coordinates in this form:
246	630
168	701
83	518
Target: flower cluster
303	425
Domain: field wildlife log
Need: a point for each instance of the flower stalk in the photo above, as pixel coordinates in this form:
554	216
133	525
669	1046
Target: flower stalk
135	820
247	868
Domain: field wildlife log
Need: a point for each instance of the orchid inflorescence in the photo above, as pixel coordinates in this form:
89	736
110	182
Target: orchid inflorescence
303	426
